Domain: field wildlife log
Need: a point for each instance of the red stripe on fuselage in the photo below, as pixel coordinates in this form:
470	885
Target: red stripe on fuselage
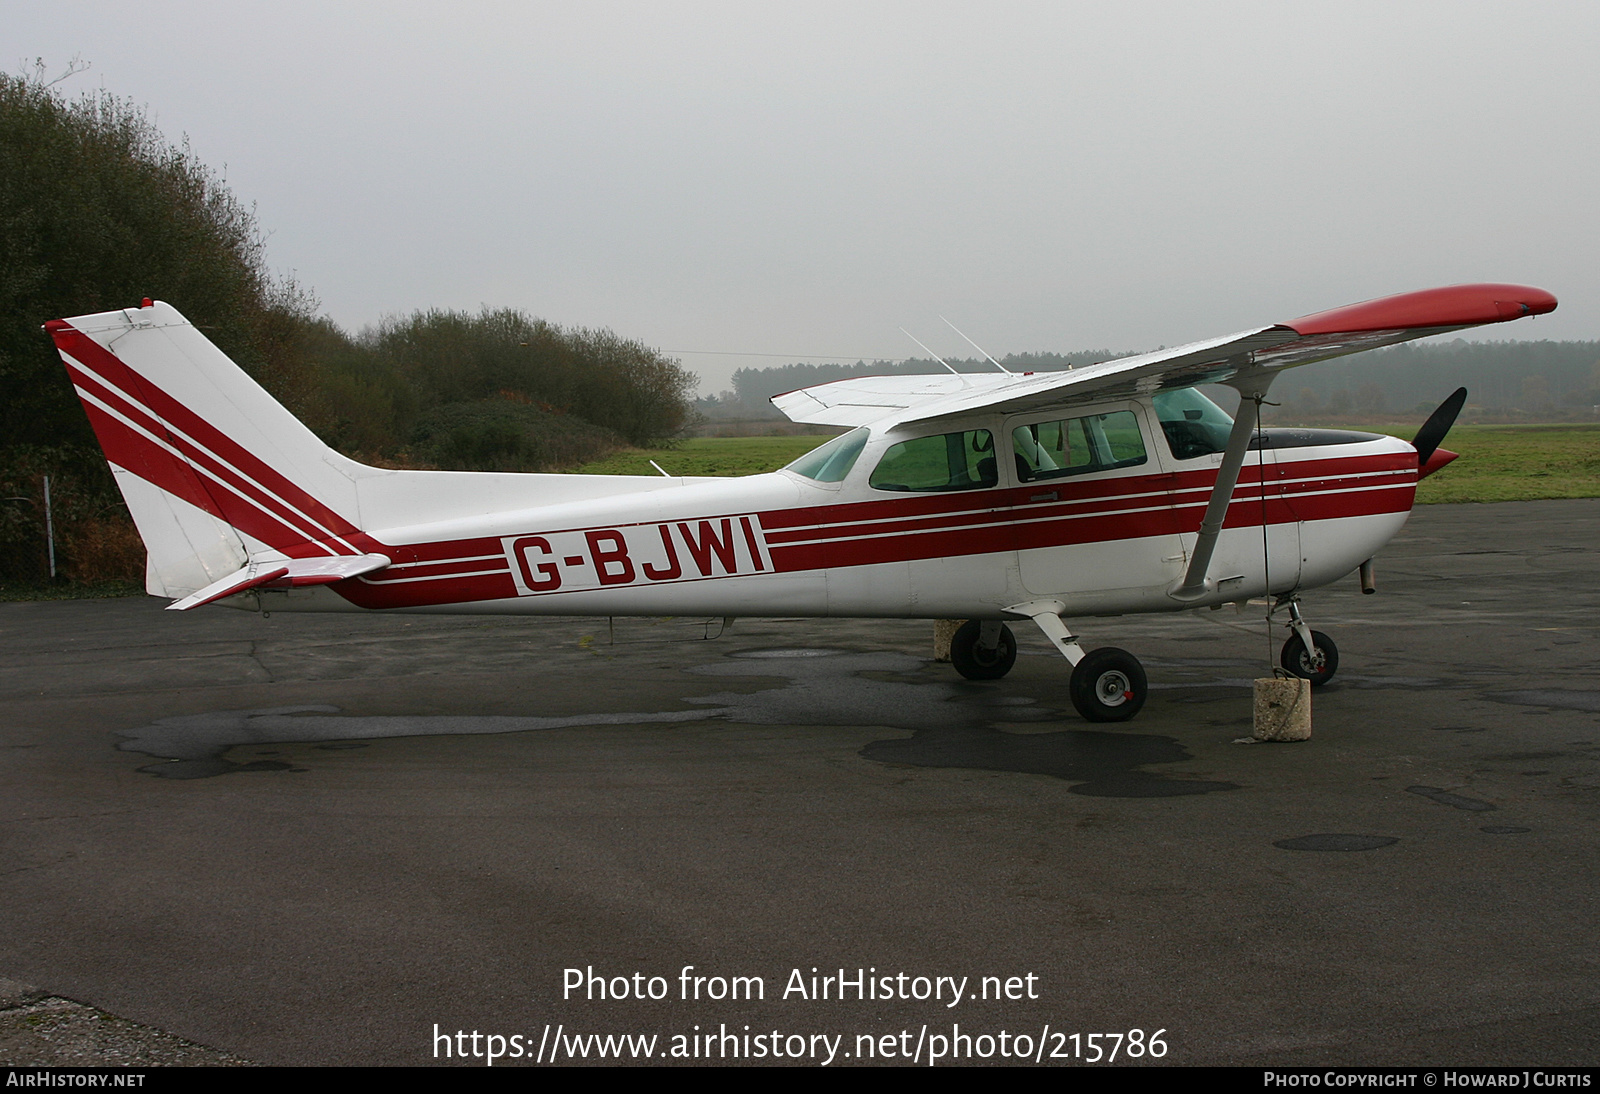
440	572
364	593
1125	507
1089	512
434	570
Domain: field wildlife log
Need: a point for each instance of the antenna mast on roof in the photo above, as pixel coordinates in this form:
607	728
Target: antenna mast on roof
965	382
979	348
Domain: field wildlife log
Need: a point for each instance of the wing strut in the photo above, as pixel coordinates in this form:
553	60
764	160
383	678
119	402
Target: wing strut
1195	583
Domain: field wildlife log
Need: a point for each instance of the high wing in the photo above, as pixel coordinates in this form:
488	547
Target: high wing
892	400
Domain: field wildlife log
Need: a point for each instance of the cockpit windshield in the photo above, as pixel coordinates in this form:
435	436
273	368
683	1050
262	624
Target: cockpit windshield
832	461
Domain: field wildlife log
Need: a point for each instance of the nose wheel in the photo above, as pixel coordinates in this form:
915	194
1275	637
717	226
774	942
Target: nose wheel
1308	654
1317	664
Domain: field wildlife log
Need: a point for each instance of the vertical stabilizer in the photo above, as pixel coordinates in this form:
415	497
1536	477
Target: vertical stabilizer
215	471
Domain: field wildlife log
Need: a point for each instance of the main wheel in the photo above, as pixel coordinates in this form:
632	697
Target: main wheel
1318	666
976	663
1108	685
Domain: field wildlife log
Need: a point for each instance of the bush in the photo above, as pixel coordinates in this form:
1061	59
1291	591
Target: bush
98	210
507	435
620	385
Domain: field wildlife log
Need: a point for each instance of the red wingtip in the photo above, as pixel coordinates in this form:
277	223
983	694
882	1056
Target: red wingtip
1452	306
1440	457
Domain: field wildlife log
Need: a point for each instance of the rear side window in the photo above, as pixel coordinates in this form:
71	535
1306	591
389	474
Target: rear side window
946	461
1077	446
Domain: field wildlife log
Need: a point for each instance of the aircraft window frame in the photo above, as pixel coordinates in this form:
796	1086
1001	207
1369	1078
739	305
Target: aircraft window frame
973	455
1094	440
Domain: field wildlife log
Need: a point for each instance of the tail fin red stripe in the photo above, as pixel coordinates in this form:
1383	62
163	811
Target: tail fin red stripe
196	440
240	506
164	407
133	447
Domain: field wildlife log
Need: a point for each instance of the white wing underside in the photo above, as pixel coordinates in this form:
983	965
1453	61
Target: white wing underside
887	401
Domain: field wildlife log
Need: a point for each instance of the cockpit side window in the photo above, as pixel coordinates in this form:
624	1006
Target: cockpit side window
946	461
1194	425
1077	446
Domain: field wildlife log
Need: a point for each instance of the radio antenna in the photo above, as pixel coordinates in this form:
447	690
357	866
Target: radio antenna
979	348
935	356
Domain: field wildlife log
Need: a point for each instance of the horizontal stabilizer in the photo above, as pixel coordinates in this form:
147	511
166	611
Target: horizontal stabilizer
285	574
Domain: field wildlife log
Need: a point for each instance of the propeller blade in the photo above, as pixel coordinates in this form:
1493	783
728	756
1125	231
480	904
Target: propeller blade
1438	424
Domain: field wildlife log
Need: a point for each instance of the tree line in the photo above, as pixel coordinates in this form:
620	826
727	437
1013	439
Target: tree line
1513	381
753	388
99	210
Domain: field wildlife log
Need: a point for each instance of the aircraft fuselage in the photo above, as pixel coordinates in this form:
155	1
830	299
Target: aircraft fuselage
1310	507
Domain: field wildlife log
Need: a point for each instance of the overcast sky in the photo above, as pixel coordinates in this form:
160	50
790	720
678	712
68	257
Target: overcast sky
805	179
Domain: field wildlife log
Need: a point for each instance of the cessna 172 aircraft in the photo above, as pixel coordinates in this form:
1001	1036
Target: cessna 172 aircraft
1107	489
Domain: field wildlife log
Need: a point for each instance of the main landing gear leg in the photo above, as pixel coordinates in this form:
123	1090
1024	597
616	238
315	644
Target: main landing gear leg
1308	654
1108	684
1055	630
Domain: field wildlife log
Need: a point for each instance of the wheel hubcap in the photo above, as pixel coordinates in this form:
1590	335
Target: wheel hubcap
1113	689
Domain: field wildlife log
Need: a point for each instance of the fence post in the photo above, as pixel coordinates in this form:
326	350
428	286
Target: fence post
49	528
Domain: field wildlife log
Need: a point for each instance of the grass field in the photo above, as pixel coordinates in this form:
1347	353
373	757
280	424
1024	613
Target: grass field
1498	462
1517	463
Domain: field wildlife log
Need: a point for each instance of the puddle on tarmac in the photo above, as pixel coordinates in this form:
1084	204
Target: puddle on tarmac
1556	698
193	744
951	722
1445	797
1335	842
785	655
1105	765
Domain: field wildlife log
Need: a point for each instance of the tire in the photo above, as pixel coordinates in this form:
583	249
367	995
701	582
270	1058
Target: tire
1109	685
1295	659
976	663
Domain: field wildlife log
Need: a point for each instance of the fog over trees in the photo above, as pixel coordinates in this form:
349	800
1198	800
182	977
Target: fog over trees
99	210
1506	381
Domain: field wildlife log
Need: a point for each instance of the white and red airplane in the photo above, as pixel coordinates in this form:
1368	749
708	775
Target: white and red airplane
1107	489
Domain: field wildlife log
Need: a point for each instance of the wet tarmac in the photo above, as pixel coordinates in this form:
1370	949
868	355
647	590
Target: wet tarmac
313	839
